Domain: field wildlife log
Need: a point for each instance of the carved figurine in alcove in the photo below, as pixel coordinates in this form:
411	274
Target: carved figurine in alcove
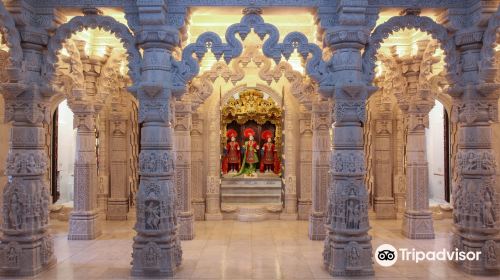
269	161
250	159
232	159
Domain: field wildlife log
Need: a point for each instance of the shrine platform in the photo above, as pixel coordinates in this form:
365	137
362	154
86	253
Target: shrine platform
251	198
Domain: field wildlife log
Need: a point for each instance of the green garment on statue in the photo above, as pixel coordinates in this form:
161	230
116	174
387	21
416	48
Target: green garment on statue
248	168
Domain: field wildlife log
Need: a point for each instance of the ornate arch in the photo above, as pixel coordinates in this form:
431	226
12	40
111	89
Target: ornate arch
12	37
422	23
276	97
107	23
187	68
490	38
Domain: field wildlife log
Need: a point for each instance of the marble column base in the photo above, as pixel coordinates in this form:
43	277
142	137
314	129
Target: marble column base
304	209
486	265
290	211
289	216
186	225
213	216
385	208
213	207
26	255
102	202
337	261
418	225
317	229
84	225
117	209
199	209
159	258
400	202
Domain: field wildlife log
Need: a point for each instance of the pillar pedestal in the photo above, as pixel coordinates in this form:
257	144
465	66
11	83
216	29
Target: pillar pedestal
186	225
117	209
317	229
84	225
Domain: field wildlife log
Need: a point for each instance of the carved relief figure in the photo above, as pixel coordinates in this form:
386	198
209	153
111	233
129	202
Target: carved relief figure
12	257
352	214
151	257
488	211
232	158
152	215
15	212
353	257
250	158
491	256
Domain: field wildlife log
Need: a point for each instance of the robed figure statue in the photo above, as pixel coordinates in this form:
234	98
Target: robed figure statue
269	161
250	159
232	159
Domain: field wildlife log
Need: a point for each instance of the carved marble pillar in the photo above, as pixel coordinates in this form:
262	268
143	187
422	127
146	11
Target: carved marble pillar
417	219
156	249
118	166
321	123
384	206
213	163
197	168
26	247
290	179
399	180
103	158
305	167
183	169
475	193
84	219
348	250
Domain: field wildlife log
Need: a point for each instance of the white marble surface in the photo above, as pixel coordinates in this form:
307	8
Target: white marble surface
237	250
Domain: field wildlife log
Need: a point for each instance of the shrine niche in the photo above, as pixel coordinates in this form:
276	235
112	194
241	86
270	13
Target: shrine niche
251	128
251	145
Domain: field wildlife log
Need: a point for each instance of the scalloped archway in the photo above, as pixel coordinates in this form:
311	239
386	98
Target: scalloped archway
107	23
421	23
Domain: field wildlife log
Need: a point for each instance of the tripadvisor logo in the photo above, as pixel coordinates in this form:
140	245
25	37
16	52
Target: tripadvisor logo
387	255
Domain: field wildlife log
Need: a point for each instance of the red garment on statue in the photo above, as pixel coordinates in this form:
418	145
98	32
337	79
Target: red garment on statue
268	157
233	152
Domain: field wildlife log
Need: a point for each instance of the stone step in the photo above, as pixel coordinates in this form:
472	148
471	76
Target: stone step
251	191
251	199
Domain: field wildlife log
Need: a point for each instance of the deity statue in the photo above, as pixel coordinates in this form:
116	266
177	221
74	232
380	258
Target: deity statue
232	159
269	161
250	158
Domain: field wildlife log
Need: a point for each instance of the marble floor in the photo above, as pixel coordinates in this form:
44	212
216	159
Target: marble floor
238	250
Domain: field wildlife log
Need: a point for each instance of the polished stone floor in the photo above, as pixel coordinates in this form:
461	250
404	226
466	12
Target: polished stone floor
238	250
